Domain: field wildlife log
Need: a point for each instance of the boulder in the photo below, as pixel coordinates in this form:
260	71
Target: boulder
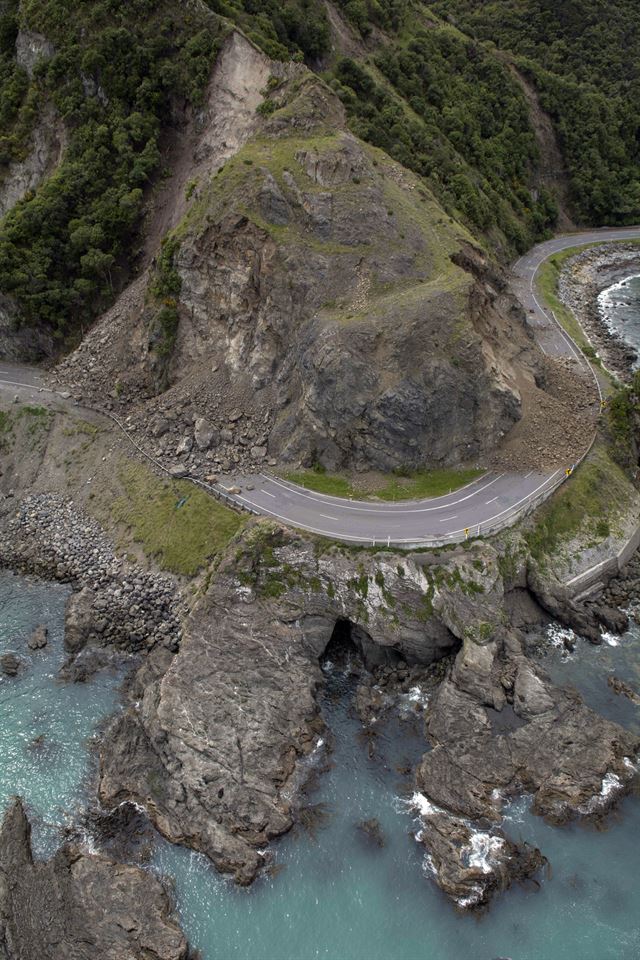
79	619
185	445
205	434
10	664
38	638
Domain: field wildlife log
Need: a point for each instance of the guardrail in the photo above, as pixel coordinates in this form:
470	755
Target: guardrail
487	528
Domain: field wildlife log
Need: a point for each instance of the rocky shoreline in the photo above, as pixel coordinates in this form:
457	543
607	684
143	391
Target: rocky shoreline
584	277
79	906
115	605
222	714
214	748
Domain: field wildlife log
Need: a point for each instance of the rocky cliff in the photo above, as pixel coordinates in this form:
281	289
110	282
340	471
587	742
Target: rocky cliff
77	906
314	285
217	747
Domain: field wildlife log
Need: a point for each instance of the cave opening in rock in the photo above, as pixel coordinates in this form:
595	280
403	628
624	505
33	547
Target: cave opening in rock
351	645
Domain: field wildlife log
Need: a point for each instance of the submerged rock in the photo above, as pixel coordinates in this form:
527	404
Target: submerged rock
38	638
373	830
10	664
471	864
77	906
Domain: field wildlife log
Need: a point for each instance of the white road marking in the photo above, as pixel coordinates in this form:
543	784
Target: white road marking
446	519
327	517
491	501
267	494
303	493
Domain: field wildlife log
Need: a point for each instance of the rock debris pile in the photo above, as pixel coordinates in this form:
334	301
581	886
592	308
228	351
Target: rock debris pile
116	603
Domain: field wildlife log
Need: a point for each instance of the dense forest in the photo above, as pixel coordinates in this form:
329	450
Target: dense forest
433	85
117	68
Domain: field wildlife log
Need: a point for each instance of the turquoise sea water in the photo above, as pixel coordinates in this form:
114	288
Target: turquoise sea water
45	724
620	308
337	894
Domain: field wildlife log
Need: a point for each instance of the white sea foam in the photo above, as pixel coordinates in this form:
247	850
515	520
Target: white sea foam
610	783
418	695
428	866
484	848
611	639
472	899
516	811
422	805
556	635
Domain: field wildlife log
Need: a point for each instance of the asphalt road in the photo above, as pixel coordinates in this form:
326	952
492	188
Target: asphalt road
480	507
492	501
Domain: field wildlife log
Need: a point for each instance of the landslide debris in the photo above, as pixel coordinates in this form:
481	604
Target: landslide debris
313	290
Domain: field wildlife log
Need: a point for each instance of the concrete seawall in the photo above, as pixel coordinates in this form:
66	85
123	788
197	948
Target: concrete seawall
586	582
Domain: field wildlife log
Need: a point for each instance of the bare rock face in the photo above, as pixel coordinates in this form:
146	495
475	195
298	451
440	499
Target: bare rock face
31	48
79	907
541	740
325	294
213	748
47	144
323	303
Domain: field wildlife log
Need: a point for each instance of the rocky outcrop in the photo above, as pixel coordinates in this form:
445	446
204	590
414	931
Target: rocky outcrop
20	343
317	301
78	906
10	664
43	155
31	49
217	746
499	733
39	638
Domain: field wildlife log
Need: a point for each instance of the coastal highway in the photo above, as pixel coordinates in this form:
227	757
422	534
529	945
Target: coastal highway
493	501
489	503
479	506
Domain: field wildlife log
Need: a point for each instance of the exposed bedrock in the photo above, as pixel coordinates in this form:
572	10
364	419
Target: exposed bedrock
77	906
324	293
499	729
213	748
216	747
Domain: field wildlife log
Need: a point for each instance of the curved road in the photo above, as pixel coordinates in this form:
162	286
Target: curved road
491	502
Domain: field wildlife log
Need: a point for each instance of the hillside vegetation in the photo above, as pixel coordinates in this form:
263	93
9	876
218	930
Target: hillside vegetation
117	71
431	83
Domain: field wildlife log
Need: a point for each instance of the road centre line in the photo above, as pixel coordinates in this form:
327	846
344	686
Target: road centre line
380	510
513	506
491	501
